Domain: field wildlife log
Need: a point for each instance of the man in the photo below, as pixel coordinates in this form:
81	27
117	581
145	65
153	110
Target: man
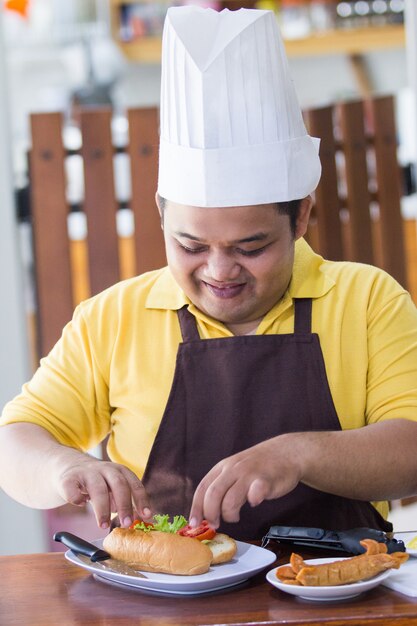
250	382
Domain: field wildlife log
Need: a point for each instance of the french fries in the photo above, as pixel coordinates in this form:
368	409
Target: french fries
374	561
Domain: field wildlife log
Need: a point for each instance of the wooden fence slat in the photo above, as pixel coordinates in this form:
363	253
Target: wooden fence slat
380	241
358	195
50	231
410	242
327	204
143	152
389	189
100	201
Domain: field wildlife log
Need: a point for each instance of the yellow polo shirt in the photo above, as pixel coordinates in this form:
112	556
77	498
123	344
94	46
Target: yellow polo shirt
113	367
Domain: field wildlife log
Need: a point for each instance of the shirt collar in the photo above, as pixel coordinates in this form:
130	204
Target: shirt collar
309	280
166	293
309	277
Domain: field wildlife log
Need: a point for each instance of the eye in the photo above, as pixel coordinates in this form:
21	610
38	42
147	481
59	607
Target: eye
256	252
191	250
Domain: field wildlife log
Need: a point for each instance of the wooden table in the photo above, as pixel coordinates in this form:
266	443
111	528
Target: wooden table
47	590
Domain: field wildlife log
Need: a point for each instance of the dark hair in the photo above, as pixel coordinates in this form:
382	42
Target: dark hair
290	208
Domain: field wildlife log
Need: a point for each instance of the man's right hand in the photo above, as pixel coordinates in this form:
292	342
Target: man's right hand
39	472
109	487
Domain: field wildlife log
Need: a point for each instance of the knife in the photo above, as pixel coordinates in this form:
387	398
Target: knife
98	558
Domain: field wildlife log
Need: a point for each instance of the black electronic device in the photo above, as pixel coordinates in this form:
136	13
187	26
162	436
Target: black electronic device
341	540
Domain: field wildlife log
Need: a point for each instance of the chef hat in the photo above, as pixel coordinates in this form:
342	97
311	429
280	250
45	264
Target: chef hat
232	132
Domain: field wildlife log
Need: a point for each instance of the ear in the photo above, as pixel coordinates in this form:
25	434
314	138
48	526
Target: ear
303	217
160	211
158	204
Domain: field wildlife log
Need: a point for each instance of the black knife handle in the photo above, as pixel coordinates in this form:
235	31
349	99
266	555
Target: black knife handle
80	546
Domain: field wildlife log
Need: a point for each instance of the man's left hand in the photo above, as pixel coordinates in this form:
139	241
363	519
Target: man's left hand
262	472
376	462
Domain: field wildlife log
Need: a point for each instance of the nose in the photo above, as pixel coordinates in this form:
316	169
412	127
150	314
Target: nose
222	267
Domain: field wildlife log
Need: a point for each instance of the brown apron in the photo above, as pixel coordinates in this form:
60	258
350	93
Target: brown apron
231	393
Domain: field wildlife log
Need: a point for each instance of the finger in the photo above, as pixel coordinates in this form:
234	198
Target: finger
74	492
233	500
258	491
119	489
113	507
98	491
80	489
139	497
197	512
214	496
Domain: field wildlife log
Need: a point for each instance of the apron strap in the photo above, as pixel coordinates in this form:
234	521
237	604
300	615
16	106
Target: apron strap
302	315
188	324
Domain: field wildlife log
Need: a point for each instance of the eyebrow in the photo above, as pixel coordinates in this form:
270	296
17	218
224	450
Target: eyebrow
257	237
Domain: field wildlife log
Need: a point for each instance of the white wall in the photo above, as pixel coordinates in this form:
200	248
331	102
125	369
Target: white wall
411	55
21	529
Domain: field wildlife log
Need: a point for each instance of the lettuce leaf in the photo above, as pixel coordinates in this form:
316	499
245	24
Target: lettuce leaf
162	523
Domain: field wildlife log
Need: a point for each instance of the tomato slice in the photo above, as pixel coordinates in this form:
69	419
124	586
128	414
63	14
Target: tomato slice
204	532
139	521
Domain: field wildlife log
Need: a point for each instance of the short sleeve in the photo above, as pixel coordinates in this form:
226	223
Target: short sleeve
392	350
68	394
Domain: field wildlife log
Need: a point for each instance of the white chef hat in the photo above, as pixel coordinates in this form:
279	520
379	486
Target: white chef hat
232	132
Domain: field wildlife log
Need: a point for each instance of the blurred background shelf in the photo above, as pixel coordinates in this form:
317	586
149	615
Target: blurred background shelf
309	27
349	42
355	41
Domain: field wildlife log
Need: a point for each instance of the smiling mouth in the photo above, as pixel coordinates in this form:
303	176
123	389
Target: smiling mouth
225	291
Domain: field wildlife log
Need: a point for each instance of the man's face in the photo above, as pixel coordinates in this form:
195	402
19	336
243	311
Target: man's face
233	263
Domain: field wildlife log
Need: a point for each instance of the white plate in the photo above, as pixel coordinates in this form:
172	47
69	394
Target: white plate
404	579
334	592
249	560
406	537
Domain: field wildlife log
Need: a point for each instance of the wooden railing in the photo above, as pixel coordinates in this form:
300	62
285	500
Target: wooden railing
357	213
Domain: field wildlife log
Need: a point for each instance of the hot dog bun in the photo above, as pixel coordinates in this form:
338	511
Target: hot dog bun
223	548
156	551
